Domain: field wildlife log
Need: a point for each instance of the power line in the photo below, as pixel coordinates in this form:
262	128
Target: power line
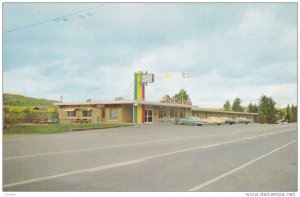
128	92
128	89
56	19
130	96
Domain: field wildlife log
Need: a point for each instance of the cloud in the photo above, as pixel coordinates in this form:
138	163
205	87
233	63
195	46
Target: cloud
229	50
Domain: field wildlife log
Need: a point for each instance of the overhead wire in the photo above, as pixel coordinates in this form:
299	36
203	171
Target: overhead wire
128	97
127	89
54	19
128	92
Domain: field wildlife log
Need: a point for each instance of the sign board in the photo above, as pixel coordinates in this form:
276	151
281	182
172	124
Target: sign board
147	78
100	106
172	100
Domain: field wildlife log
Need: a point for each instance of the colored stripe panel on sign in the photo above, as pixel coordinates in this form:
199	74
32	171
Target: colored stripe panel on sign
135	114
143	106
139	86
139	114
135	86
139	95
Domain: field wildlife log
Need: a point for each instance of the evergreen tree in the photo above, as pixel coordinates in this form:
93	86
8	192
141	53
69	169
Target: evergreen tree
255	109
226	106
250	107
261	118
267	111
271	117
167	96
281	113
288	118
236	106
182	95
293	114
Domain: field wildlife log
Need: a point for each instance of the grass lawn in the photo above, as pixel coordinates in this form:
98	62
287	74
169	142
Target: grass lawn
57	128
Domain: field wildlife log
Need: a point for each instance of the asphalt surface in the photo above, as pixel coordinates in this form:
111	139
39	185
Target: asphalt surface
240	158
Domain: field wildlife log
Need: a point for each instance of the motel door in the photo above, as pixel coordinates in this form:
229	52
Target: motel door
148	115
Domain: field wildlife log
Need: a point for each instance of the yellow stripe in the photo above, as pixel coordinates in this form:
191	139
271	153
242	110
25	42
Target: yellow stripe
139	86
139	114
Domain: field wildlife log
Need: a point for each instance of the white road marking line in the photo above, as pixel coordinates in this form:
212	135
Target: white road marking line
115	165
117	146
209	146
131	161
198	187
212	145
105	167
107	147
103	147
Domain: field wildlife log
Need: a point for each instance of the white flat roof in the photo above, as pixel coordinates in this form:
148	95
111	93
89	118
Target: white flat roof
164	104
219	111
96	103
192	107
125	102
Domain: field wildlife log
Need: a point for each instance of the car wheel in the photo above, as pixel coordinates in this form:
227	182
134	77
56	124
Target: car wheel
179	122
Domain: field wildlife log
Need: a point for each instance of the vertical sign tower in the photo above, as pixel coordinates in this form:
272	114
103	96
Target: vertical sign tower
140	79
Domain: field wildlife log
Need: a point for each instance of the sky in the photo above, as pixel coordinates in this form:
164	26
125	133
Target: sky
91	50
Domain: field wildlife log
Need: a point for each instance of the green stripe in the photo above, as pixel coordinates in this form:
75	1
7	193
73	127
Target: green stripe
135	86
135	98
134	114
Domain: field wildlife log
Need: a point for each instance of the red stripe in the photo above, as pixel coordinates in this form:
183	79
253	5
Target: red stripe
143	106
143	92
143	113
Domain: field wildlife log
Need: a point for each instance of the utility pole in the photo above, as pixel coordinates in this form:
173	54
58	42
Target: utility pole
184	75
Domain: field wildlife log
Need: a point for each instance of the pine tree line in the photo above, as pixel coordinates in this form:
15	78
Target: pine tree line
265	109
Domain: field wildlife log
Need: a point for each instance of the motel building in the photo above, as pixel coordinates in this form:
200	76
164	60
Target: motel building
137	111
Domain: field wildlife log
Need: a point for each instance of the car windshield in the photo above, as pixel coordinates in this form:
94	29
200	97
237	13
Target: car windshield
196	118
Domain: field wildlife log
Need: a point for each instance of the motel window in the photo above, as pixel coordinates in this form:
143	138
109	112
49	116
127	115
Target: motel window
160	113
103	113
71	114
114	114
181	113
86	113
172	112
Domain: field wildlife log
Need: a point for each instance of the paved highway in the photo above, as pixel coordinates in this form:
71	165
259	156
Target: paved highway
155	158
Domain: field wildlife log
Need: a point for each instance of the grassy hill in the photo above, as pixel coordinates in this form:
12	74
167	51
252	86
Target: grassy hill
19	100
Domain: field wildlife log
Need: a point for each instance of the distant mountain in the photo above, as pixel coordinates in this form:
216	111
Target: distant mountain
19	100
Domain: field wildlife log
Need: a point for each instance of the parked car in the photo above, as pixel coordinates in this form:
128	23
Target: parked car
215	120
190	121
228	120
282	121
243	120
